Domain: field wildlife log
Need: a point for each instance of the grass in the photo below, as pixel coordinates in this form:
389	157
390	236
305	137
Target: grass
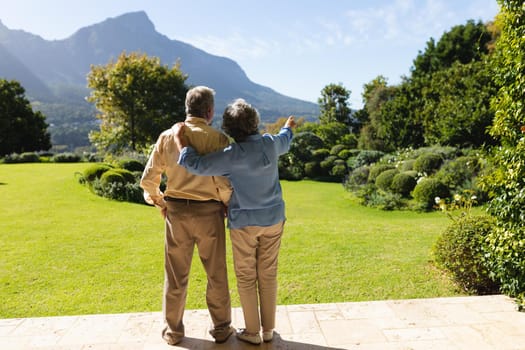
67	251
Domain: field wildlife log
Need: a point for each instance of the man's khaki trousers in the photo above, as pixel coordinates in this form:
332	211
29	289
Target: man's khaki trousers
255	254
189	223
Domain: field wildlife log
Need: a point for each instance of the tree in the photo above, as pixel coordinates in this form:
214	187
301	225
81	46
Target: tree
462	43
334	104
137	98
392	123
457	105
507	182
21	129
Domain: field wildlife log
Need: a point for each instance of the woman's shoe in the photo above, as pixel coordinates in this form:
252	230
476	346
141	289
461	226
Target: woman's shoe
267	336
254	339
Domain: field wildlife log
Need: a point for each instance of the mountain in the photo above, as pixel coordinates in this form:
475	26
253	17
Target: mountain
54	72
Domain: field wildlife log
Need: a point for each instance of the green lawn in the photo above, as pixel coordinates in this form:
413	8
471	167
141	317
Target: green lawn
65	251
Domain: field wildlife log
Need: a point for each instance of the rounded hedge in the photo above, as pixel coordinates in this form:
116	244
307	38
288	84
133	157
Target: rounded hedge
408	165
328	162
384	180
131	165
459	171
377	169
334	151
111	177
338	170
95	171
66	157
128	175
358	177
427	190
345	154
366	157
461	250
403	183
320	154
428	163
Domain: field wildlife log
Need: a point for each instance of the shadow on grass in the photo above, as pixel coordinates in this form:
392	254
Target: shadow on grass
233	343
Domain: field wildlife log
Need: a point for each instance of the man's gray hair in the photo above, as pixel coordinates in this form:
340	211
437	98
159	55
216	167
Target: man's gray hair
199	100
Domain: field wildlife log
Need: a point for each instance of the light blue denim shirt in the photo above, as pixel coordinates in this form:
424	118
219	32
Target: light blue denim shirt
251	167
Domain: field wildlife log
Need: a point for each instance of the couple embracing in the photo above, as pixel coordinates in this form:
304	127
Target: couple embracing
207	173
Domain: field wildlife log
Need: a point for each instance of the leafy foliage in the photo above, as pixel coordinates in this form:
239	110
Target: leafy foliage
428	163
457	105
138	98
426	192
334	104
21	128
384	180
403	184
506	184
462	248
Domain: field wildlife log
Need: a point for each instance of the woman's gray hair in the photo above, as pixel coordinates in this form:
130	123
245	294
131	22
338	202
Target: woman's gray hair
199	100
240	120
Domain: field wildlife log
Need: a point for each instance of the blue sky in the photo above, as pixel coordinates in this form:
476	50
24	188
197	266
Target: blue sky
295	47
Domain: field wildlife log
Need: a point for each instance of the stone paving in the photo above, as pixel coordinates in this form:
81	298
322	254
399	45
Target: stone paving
466	323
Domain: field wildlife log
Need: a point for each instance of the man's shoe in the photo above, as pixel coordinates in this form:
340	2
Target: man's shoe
254	339
171	339
267	336
221	334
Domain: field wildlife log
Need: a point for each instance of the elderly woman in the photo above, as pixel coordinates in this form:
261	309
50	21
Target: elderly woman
256	209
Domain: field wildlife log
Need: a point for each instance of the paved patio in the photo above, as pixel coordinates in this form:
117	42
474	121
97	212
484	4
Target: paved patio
466	323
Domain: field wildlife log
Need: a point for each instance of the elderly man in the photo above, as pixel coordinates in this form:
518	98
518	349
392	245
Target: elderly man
193	208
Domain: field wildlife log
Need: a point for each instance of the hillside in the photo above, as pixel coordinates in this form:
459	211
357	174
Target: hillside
54	72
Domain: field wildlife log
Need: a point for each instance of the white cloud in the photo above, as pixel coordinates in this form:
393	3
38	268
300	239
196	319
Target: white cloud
235	46
402	21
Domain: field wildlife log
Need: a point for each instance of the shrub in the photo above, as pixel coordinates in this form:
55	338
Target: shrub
129	192
339	170
126	174
377	169
345	154
461	250
428	163
336	149
112	176
408	165
403	184
446	152
367	157
26	157
384	180
427	190
328	162
67	157
320	154
455	173
358	177
381	199
292	172
95	171
412	173
312	170
131	164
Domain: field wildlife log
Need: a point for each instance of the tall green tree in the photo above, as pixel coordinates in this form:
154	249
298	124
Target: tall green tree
507	183
334	104
21	128
137	98
462	43
457	105
441	101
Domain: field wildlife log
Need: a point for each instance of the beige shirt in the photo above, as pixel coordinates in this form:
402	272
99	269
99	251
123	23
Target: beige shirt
180	183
